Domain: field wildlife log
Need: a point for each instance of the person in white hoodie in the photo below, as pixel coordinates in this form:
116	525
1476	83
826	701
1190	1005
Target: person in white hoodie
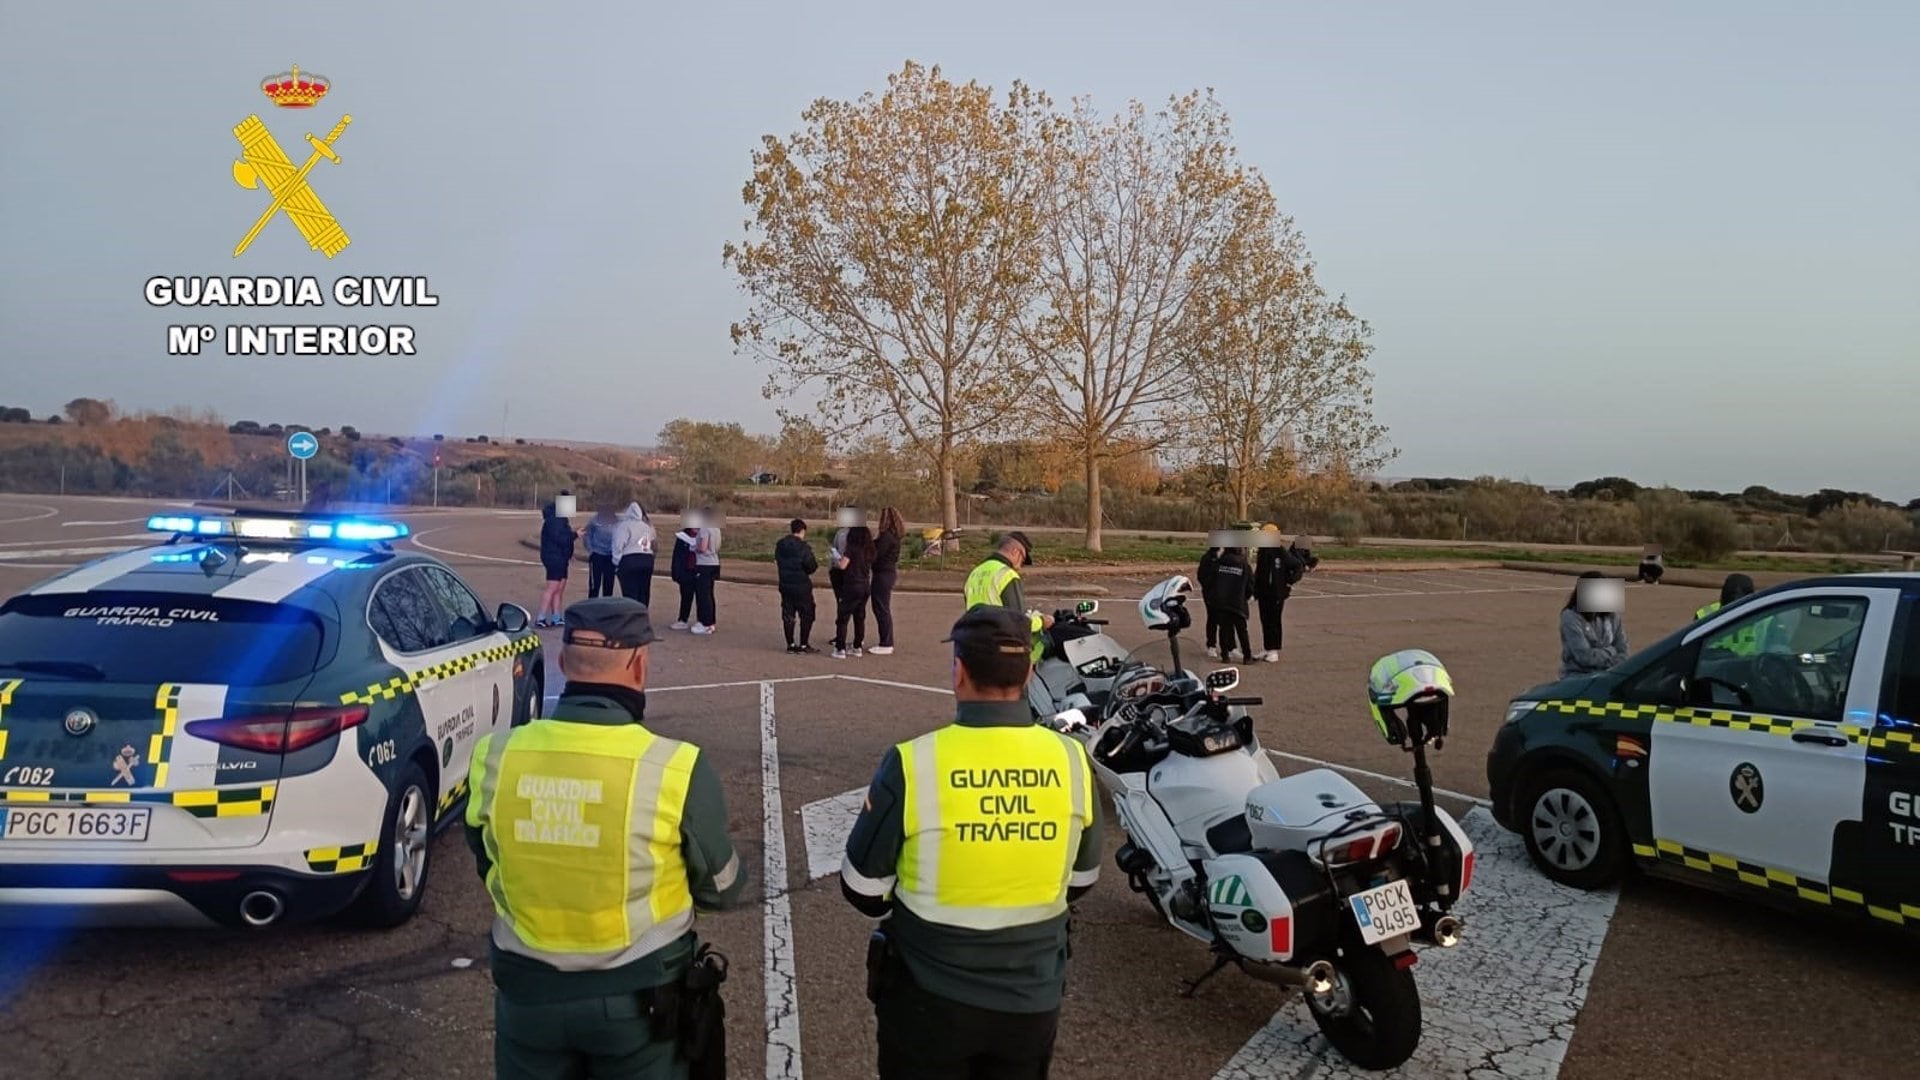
633	540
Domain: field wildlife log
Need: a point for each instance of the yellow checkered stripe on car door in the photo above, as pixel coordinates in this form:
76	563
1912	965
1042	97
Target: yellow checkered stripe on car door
392	688
1771	879
1720	718
7	687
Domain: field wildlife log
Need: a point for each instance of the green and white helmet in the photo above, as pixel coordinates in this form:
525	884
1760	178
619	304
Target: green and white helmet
1408	692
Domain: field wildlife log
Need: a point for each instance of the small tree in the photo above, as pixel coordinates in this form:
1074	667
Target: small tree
86	410
799	451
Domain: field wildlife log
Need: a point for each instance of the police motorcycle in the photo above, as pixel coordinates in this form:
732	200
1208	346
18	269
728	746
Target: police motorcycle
1077	664
1301	881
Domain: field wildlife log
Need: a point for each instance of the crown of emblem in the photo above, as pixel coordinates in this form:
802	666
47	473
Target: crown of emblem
292	90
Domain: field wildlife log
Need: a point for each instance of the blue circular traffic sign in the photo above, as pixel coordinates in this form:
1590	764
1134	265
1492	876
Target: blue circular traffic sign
302	445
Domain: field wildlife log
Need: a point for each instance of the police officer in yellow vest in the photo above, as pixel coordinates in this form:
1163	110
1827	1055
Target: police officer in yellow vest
997	581
973	841
598	840
1746	640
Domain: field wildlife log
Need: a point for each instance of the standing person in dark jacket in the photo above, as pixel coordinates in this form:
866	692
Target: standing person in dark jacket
1209	564
796	562
1227	596
556	553
856	583
1274	576
683	563
886	574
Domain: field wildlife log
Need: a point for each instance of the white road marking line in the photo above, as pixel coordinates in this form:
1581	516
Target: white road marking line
81	539
1371	775
50	553
783	988
128	521
419	540
827	823
729	685
1501	1004
895	685
45	512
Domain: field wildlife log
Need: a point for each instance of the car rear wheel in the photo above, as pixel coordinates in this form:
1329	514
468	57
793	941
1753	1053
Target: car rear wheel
405	858
1572	830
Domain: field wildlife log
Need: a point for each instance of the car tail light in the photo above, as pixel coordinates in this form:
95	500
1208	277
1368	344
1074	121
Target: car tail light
283	733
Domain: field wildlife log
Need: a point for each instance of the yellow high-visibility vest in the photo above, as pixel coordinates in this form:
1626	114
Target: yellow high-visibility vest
987	583
582	825
1742	642
992	822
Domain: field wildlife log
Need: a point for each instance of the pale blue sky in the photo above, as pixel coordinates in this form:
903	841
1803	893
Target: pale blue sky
1677	242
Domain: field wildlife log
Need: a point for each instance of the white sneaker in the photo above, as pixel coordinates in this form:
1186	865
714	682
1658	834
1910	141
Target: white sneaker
839	654
881	650
1213	653
702	629
1272	656
678	626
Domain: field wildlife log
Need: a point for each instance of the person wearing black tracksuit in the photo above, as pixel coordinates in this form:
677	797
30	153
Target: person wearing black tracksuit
1209	565
856	583
886	574
1273	579
795	559
1227	601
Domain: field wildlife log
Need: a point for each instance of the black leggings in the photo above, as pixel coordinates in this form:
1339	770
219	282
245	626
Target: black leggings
599	575
1232	626
853	605
883	583
796	604
636	578
1271	612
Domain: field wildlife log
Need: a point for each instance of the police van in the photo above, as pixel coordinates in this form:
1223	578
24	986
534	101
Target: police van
1770	749
265	717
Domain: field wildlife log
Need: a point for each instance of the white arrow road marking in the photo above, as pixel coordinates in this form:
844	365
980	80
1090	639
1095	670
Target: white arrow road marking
1501	1004
827	822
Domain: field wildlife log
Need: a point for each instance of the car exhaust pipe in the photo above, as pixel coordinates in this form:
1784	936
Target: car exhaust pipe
262	908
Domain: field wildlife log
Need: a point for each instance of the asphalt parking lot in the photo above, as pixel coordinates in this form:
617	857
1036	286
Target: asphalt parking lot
1660	981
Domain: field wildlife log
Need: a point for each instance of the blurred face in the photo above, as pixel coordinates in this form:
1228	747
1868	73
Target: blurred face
1600	596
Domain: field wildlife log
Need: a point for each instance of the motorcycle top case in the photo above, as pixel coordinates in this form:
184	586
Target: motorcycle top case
1269	905
1288	813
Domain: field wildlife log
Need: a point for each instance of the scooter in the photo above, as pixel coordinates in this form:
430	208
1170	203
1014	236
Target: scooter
1301	881
1078	664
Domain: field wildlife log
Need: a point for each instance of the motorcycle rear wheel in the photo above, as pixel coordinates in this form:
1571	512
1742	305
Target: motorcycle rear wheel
1372	1015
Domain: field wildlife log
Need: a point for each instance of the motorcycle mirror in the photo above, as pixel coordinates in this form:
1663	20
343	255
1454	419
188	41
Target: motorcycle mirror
1086	607
1222	680
1070	721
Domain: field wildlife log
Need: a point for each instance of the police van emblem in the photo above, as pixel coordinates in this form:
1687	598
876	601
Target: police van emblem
79	721
1746	787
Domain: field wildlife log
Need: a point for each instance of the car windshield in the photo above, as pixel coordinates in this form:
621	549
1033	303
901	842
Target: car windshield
135	637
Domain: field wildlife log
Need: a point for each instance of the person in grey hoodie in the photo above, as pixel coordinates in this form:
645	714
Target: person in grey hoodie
599	541
1590	641
633	540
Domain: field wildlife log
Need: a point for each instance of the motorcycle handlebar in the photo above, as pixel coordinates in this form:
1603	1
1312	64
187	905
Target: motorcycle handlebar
1243	701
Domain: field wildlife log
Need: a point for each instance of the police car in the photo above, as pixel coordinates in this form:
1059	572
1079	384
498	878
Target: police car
1770	749
264	718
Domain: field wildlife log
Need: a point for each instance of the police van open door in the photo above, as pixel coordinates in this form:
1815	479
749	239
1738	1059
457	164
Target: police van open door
1768	756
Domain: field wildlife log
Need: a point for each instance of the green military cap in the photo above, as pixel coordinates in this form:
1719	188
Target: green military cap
990	629
622	623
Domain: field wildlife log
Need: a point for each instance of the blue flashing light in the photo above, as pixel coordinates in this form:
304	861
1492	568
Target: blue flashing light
349	530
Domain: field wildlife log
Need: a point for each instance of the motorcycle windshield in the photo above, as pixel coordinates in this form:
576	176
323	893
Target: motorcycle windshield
1150	670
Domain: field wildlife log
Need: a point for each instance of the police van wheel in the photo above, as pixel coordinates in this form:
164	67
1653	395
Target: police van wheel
400	869
1572	830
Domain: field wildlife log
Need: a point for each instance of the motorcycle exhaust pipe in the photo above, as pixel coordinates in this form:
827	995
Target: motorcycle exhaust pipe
1317	977
262	908
1444	932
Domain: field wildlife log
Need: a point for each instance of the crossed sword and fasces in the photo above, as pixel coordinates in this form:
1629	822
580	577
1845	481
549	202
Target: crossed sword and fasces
262	160
1745	783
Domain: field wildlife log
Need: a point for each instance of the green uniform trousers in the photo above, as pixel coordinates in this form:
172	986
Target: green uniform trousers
603	1038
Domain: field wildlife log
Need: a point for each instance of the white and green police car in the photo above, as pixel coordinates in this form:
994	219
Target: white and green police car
266	717
1770	749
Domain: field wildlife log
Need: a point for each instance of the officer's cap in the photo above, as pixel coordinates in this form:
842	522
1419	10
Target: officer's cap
990	629
623	623
1020	538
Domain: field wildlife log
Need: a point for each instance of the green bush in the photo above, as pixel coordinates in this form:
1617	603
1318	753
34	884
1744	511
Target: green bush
1857	528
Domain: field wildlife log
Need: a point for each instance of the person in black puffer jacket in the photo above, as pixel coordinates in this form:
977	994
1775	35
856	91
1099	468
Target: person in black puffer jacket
1227	601
796	562
556	552
856	564
886	574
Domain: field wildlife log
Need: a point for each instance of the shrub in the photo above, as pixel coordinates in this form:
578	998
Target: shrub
1857	528
1347	525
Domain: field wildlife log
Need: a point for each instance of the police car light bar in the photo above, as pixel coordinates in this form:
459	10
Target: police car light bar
342	530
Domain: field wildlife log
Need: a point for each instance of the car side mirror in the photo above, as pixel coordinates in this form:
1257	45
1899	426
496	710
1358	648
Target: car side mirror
1223	680
511	618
